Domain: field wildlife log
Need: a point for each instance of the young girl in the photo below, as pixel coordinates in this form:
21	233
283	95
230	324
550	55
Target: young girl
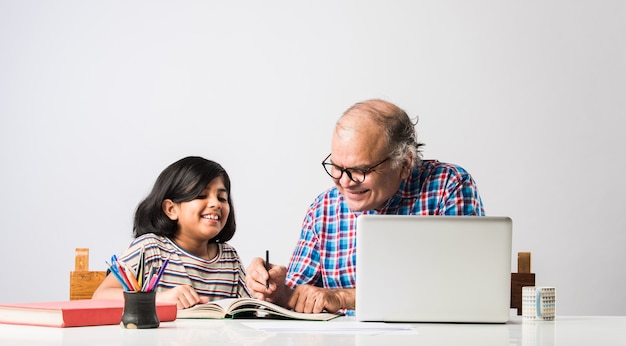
187	218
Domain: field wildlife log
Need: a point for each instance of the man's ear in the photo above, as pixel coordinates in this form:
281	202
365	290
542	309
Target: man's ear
407	166
169	208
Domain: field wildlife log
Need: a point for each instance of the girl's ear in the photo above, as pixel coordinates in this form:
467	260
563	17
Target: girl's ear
169	208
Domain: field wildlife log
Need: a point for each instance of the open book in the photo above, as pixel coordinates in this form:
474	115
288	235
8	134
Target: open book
234	307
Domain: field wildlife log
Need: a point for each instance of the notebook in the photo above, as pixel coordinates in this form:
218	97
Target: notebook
433	268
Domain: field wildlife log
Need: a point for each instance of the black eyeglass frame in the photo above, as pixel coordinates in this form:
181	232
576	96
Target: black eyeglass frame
350	170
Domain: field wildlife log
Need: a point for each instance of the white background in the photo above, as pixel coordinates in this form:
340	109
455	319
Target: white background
97	97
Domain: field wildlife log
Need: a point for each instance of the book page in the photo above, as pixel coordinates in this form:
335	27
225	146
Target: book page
265	307
213	309
231	307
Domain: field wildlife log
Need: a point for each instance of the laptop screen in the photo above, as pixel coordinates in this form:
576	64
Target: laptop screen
414	268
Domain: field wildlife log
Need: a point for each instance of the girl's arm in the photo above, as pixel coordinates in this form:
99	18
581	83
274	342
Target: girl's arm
110	288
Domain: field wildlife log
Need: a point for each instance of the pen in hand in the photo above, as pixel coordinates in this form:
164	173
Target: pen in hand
267	268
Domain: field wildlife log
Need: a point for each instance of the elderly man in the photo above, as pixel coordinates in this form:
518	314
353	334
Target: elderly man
377	168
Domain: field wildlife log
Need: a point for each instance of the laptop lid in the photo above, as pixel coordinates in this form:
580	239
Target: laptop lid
414	268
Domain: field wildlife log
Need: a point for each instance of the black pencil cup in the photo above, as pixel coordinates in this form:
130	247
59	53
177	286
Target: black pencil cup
139	310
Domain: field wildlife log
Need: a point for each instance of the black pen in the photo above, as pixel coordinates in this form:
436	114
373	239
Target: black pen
267	268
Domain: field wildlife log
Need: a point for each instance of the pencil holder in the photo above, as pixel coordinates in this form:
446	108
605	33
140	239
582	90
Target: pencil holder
139	310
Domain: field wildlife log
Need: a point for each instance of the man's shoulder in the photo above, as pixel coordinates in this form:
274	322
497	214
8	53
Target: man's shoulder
436	167
330	201
331	193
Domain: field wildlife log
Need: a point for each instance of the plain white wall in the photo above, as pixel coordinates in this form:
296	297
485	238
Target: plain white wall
97	97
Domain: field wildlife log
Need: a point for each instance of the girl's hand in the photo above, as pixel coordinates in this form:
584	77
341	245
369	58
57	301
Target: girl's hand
183	296
267	285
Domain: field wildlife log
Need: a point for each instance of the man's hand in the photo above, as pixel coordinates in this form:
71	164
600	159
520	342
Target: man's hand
312	299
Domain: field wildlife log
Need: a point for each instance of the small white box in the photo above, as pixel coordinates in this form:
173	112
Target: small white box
538	303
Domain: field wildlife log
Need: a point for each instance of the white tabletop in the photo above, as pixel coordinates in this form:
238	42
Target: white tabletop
565	330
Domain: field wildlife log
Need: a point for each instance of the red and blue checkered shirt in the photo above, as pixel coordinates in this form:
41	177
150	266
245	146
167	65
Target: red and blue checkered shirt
325	255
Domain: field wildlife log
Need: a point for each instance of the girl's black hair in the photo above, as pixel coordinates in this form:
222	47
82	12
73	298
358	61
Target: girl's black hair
182	181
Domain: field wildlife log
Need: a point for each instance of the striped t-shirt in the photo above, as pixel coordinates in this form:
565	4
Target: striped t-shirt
218	278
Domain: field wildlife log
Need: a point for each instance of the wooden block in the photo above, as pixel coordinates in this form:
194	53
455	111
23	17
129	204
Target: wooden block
84	283
519	280
523	262
82	259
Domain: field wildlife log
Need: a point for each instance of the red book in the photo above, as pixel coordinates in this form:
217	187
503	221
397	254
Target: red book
74	313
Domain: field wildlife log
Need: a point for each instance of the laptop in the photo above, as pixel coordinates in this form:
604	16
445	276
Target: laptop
450	269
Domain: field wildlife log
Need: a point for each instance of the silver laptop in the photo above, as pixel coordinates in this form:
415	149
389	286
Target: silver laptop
433	268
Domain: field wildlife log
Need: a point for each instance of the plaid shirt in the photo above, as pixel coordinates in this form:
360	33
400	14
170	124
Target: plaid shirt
325	254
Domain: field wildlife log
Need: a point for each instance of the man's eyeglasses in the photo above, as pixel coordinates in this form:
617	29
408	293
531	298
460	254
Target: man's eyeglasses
357	175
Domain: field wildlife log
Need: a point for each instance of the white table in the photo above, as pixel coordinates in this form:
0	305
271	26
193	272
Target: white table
565	330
